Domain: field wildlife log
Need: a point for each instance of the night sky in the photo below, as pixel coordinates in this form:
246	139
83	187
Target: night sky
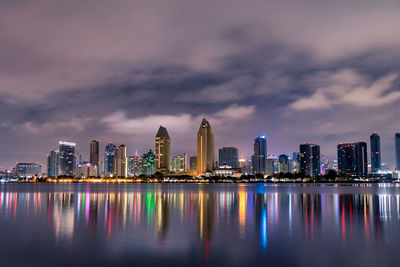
297	71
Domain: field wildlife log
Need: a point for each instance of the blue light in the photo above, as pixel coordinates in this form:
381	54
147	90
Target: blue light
262	136
264	231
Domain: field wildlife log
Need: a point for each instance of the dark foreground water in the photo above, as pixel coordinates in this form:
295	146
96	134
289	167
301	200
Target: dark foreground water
199	225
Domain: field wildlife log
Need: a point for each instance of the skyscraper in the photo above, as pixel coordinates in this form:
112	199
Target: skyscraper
162	150
310	159
205	148
283	163
375	152
397	145
228	156
179	163
361	159
66	158
121	161
94	153
193	163
109	158
52	164
149	160
260	155
353	159
346	159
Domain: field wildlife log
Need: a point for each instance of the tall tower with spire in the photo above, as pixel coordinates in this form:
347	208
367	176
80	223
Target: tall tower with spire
162	150
205	148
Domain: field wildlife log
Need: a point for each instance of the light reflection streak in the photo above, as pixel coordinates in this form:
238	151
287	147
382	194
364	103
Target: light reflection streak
209	212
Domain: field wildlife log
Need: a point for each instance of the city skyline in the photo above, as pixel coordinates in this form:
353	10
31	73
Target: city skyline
95	148
252	68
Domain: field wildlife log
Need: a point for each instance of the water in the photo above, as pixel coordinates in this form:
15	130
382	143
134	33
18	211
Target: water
199	225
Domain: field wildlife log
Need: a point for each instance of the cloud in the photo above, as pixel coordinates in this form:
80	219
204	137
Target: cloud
72	125
347	87
238	88
118	122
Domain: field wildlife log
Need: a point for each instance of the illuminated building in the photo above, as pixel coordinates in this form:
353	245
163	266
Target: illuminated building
352	159
260	155
162	150
28	170
138	167
193	163
109	158
121	161
149	162
375	152
361	159
397	144
245	166
52	164
346	155
94	152
205	148
228	156
295	162
283	163
179	163
310	160
66	158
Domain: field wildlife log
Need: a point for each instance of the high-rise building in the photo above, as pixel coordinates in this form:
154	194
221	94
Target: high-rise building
193	163
245	166
66	158
353	159
137	167
260	155
94	153
121	161
109	158
228	156
149	160
162	150
346	159
28	170
179	163
52	164
205	148
310	159
361	159
375	152
283	163
397	148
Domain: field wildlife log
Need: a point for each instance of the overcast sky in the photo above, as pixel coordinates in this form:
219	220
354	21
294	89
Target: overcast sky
297	71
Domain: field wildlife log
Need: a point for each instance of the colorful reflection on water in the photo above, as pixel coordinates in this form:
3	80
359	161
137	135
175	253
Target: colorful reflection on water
206	224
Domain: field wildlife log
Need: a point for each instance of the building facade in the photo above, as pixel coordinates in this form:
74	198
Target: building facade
94	153
121	161
353	159
162	150
179	163
52	164
205	148
193	163
109	154
28	170
310	160
283	163
67	158
149	163
375	142
260	155
228	156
